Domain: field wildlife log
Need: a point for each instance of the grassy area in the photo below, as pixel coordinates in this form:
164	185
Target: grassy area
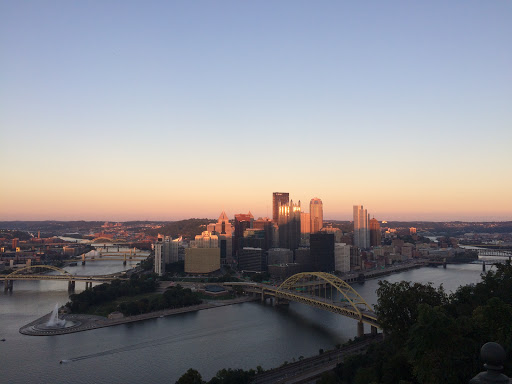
227	296
106	308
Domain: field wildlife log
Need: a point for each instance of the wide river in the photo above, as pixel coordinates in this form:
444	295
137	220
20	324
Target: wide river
161	350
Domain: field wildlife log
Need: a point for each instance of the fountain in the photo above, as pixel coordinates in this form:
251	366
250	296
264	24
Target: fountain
54	321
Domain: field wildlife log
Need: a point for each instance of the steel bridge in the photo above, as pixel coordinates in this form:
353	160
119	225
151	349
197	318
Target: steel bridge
113	256
490	252
303	288
24	274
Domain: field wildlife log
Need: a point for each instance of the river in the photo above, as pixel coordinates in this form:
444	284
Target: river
161	350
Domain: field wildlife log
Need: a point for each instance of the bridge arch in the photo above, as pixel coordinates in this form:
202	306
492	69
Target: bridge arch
51	267
350	294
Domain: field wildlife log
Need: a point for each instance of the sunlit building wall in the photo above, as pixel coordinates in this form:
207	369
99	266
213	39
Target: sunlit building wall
289	225
361	230
202	260
342	257
224	230
316	212
375	233
278	198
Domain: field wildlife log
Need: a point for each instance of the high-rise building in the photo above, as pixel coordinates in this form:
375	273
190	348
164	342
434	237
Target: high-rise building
278	198
289	225
322	251
375	233
224	230
316	213
166	252
242	222
252	259
267	226
342	257
361	231
305	223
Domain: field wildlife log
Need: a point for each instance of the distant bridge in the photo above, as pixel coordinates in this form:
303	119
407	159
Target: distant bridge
21	274
494	252
303	287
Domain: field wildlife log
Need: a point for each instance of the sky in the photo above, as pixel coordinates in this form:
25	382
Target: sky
163	110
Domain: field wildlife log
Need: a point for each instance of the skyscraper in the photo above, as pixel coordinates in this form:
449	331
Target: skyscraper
224	230
375	235
361	232
289	225
278	198
242	222
316	212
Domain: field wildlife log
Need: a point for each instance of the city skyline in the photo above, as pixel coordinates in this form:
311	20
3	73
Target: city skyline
119	111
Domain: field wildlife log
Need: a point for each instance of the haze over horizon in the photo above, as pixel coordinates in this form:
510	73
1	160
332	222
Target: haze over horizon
121	111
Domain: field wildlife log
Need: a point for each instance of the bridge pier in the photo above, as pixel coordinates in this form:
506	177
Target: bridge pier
360	329
483	266
373	330
8	285
88	285
71	286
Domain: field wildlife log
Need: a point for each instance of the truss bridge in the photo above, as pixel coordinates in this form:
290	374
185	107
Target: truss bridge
40	272
320	290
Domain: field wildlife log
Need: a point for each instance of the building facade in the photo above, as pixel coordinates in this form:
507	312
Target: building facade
375	233
316	213
202	260
289	225
361	230
342	257
224	230
278	198
322	251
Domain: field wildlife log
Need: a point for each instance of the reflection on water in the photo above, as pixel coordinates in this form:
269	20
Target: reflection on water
160	350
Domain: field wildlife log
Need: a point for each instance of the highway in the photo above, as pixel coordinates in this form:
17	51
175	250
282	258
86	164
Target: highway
310	369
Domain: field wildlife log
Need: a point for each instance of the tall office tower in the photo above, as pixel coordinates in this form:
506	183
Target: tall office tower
375	234
159	265
305	229
342	257
305	223
267	226
278	198
289	225
322	251
361	232
224	230
242	222
316	212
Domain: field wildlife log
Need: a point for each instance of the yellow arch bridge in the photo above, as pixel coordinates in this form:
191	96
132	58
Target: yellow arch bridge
307	288
39	272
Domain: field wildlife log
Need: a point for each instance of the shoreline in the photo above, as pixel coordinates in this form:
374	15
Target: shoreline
90	322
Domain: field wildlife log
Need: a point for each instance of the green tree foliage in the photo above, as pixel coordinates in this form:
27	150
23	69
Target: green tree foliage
190	377
433	337
224	376
103	293
232	376
397	305
173	297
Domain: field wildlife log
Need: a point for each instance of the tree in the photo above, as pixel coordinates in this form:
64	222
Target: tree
191	377
397	305
232	376
439	348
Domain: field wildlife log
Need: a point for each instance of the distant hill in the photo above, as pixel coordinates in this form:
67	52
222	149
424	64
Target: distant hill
187	228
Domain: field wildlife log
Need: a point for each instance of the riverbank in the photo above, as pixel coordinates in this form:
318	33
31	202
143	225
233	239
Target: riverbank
88	322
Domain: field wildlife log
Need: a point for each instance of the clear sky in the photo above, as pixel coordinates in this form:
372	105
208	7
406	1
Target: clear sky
118	110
